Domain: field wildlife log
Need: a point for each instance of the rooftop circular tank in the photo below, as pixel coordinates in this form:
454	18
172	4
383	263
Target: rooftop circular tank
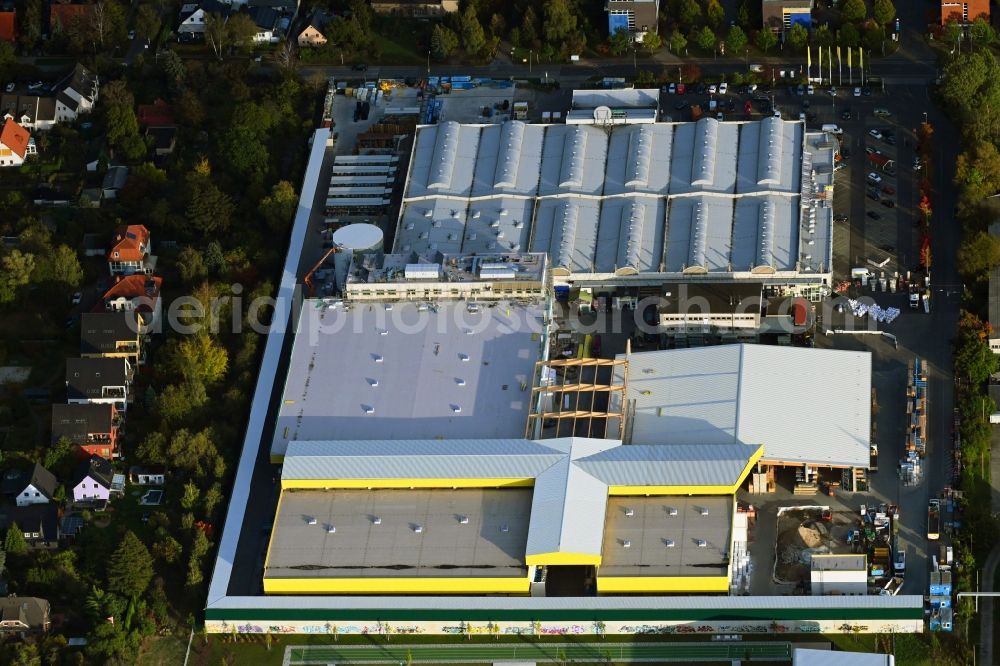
358	237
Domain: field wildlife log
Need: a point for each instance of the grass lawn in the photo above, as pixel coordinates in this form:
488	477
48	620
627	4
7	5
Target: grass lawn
404	41
162	650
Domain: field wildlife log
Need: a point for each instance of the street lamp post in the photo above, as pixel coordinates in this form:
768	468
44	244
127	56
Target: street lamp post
428	62
530	52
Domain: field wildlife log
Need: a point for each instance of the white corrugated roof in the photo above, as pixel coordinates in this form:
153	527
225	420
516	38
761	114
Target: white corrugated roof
804	405
808	657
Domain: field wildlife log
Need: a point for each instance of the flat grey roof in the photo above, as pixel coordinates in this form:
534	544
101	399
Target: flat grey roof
705	196
804	405
651	527
401	372
445	547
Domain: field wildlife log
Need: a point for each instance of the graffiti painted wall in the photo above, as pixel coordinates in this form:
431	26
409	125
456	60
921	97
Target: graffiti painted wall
568	628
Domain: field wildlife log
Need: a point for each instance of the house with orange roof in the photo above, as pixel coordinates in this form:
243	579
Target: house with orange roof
16	144
134	293
131	251
8	26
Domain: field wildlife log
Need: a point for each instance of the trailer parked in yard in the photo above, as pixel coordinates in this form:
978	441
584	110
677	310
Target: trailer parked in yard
934	519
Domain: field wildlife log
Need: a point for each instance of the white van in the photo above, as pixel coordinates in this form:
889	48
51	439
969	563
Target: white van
832	129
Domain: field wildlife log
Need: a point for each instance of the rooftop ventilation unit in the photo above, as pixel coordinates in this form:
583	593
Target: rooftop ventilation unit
376	520
505	528
459	381
373	382
701	543
671	511
626	544
311	520
463	357
428	213
331	529
630	512
669	543
377	358
703	511
368	409
463	520
457	409
419	529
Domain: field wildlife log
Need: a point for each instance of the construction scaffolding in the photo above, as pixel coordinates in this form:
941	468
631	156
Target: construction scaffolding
578	397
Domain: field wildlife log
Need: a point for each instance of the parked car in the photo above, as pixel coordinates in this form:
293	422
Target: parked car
917	164
9	87
800	90
867	92
833	92
681	89
711	89
131	35
875	216
37	85
845	114
872	151
882	113
857	91
874	178
723	88
840	218
875	133
888	189
77	297
672	88
810	89
873	194
891	140
888	203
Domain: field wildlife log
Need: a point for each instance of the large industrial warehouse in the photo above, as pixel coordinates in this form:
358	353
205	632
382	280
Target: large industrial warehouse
404	468
630	204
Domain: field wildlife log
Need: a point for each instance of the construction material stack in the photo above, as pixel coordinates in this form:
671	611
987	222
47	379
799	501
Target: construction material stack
910	467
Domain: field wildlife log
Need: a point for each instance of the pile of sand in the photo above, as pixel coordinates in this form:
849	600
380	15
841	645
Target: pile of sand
810	536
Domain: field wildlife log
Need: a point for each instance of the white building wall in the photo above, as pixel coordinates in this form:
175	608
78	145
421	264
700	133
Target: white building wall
839	582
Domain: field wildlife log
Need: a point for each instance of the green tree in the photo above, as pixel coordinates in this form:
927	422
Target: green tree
977	172
473	38
974	361
60	266
130	568
30	23
743	15
14	542
874	37
167	549
560	22
8	60
60	455
619	42
242	149
978	253
178	402
191	265
241	30
823	36
652	41
25	653
689	13
736	39
498	25
529	26
952	32
765	40
853	10
213	497
678	42
706	38
849	35
443	42
199	358
190	496
981	33
119	114
17	269
153	448
883	11
797	37
278	208
714	13
194	452
148	22
209	208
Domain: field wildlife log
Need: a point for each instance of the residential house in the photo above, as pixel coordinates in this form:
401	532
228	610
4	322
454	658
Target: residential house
637	17
30	112
134	293
38	522
33	486
192	16
131	251
62	16
154	475
312	35
415	7
266	20
164	139
77	93
20	616
93	427
94	245
781	15
99	381
964	12
114	180
8	25
16	144
157	114
112	335
92	483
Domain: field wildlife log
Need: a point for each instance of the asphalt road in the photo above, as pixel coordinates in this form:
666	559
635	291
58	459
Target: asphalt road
544	652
